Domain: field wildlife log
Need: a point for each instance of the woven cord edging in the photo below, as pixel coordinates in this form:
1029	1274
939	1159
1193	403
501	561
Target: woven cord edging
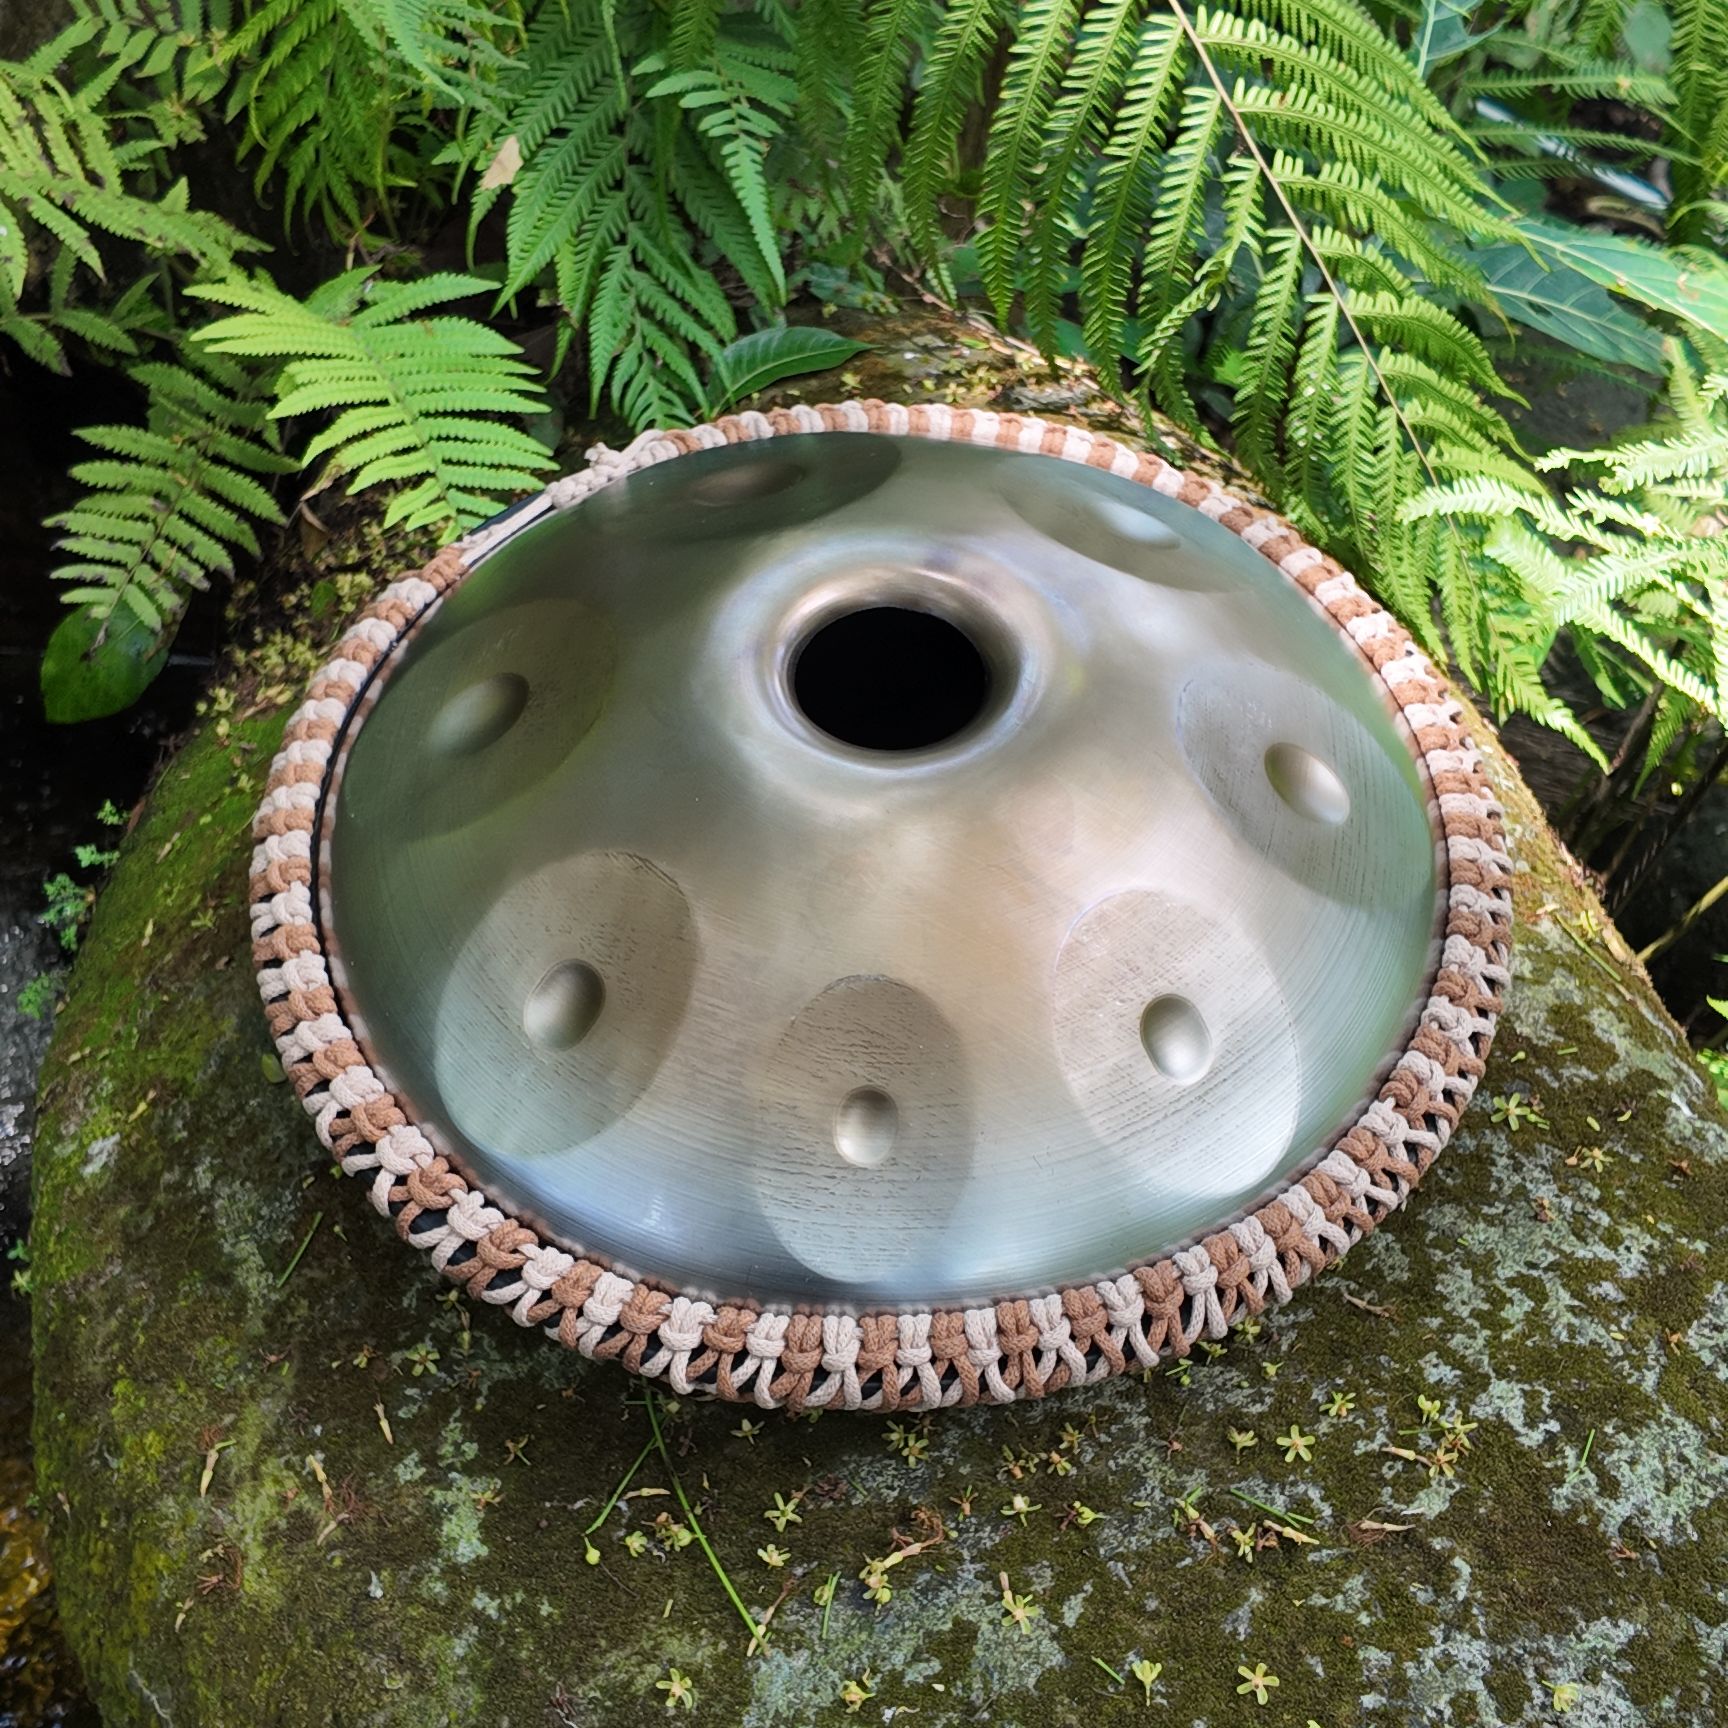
996	1353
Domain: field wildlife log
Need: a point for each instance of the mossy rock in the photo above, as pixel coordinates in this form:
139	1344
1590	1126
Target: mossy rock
290	1481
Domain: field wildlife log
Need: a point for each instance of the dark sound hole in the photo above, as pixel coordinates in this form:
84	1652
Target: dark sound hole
889	678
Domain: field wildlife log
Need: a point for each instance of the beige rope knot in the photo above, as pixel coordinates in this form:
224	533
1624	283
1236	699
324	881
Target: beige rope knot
685	1322
544	1265
913	1350
1199	1274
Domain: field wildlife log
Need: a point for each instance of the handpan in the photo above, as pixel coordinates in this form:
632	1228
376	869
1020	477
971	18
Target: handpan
881	907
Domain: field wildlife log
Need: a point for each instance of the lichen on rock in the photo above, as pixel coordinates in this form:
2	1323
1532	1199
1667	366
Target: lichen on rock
1473	1475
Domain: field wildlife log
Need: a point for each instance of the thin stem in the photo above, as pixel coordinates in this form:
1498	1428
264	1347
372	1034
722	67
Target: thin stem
757	1632
1276	1512
1687	919
299	1253
1584	1456
1694	795
618	1492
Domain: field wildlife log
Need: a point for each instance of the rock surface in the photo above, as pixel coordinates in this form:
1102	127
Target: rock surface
1477	1474
26	24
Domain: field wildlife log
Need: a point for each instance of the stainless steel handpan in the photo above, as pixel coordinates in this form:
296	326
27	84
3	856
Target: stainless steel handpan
858	874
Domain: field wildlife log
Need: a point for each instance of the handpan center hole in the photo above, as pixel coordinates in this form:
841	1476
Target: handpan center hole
891	678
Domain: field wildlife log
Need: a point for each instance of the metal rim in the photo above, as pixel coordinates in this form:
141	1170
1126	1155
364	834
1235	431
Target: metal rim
911	1357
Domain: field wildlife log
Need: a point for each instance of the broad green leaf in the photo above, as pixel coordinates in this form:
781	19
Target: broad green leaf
1647	30
1564	303
1443	32
765	357
89	670
1689	285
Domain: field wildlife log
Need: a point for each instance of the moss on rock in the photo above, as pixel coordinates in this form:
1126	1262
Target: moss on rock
319	1490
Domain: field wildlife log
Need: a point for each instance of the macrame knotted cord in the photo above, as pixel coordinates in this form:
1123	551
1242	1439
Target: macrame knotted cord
929	1358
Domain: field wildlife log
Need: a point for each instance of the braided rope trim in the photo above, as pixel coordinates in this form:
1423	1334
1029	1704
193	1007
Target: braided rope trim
997	1353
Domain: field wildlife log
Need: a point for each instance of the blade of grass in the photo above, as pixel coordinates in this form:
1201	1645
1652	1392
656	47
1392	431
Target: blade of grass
1275	1511
288	1270
618	1492
756	1632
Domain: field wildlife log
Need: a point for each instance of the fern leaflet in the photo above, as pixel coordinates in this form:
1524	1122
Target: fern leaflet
414	397
167	504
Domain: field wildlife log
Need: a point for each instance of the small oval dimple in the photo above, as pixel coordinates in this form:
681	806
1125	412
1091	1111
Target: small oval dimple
740	484
562	1008
479	715
1176	1039
1309	786
866	1127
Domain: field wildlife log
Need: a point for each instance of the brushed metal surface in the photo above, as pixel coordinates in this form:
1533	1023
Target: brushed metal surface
704	988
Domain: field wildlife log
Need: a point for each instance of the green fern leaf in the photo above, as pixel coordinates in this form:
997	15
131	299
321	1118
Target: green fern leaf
1016	143
167	504
1122	203
68	175
411	395
1077	128
740	102
893	28
321	120
947	88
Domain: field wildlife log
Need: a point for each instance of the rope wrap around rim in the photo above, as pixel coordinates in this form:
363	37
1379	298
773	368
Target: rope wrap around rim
907	1360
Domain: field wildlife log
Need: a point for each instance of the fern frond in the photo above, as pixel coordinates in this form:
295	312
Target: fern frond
167	504
1016	142
168	51
1416	326
739	101
1338	193
1313	393
633	177
650	312
1345	32
71	179
1077	127
1271	347
893	28
948	87
1122	202
1180	200
694	28
1667	725
1607	81
1597	28
707	201
451	47
1699	117
1633	579
1437	180
413	396
318	114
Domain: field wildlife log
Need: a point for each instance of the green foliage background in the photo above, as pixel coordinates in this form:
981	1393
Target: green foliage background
1317	232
